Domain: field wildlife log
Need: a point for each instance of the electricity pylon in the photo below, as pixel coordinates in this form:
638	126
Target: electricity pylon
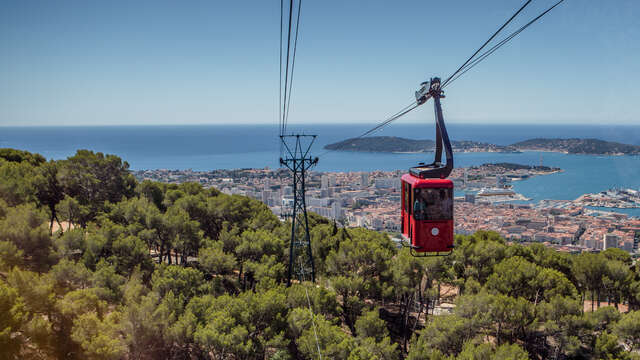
298	160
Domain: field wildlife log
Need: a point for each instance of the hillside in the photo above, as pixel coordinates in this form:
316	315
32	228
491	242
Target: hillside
578	146
382	144
512	166
399	144
570	146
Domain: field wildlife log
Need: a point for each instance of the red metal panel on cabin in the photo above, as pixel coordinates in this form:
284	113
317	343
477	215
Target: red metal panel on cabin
426	241
404	216
427	183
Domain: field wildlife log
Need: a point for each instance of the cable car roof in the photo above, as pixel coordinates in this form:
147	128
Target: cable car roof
417	182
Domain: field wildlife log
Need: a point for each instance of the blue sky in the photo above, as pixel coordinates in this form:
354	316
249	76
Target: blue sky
216	62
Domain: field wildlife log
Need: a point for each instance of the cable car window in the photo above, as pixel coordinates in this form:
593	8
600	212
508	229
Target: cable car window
407	195
433	204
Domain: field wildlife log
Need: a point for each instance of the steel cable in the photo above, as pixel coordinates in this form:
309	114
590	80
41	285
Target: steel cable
293	64
501	43
466	66
384	123
486	42
280	79
286	73
414	104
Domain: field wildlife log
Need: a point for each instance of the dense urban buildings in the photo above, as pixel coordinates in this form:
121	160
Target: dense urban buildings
371	200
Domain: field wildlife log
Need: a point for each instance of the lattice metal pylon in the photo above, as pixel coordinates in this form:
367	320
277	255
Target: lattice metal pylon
298	160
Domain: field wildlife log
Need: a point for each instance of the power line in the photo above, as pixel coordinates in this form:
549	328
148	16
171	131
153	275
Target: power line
288	60
293	64
313	321
280	79
298	161
286	74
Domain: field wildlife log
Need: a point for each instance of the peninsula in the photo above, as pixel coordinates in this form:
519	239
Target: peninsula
404	145
393	144
612	198
579	146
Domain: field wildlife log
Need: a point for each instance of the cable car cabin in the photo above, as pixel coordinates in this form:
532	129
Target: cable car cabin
427	214
427	194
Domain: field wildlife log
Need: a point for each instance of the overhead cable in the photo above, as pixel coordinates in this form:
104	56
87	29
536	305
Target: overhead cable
500	44
466	66
414	104
286	73
384	123
293	64
486	42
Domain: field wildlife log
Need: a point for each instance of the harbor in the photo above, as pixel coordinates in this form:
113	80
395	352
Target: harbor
612	198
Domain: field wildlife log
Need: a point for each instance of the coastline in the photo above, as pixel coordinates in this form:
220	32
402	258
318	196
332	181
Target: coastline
570	153
488	151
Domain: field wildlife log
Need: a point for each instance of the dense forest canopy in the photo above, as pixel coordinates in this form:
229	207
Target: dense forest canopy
95	265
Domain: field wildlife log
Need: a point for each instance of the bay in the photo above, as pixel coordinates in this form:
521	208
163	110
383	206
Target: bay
207	147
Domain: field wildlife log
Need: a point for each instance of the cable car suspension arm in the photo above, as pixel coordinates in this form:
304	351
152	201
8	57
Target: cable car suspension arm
433	89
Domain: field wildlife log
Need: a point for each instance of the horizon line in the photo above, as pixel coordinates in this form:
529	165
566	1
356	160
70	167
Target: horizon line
316	124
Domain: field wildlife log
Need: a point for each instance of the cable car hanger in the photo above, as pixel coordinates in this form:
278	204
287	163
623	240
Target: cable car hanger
432	89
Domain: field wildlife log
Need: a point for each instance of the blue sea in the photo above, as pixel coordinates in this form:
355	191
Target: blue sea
207	147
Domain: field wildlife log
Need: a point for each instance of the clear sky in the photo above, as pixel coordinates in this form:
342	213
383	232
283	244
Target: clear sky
216	62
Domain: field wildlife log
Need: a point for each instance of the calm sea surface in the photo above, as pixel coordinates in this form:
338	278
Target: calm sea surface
255	146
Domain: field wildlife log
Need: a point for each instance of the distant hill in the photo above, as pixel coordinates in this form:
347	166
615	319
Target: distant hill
383	144
513	166
570	146
398	144
578	146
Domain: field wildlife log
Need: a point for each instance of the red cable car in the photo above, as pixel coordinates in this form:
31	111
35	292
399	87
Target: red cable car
427	194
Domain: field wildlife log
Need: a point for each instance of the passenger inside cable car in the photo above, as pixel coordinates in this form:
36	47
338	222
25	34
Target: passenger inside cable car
433	204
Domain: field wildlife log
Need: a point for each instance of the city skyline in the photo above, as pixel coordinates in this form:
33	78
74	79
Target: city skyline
148	63
372	200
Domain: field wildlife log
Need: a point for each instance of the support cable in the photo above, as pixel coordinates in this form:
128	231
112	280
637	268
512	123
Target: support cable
384	123
286	74
466	66
280	80
486	42
313	321
293	64
297	161
394	117
413	105
501	43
